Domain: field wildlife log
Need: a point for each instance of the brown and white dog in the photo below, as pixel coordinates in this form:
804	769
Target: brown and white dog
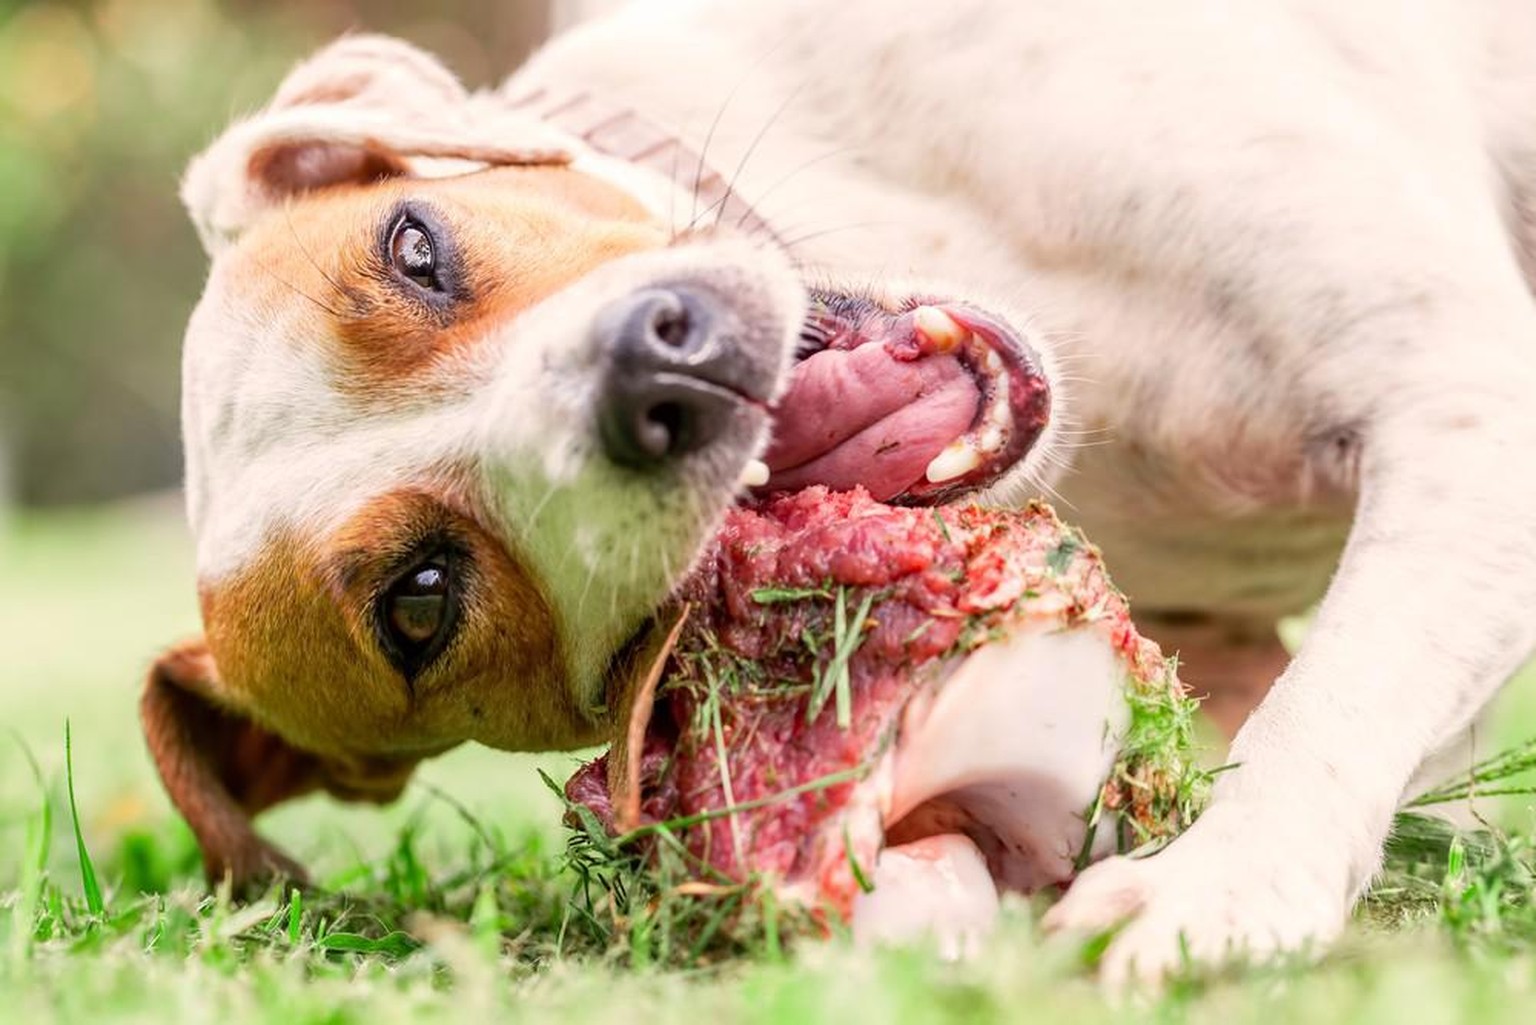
474	376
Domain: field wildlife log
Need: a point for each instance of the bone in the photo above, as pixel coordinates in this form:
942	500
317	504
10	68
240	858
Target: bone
937	888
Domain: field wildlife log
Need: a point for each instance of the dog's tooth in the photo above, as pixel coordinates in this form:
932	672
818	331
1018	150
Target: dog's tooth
944	331
754	474
957	460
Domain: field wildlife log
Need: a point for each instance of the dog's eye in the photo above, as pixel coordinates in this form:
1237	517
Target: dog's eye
418	605
414	254
419	612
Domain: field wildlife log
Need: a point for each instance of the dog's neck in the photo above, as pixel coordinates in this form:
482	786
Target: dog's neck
620	133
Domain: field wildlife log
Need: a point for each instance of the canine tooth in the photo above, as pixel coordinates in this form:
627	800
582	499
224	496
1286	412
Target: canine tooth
944	331
754	474
958	459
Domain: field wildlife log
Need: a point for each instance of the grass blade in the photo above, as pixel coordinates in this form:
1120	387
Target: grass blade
718	728
295	917
88	883
1498	769
34	865
834	679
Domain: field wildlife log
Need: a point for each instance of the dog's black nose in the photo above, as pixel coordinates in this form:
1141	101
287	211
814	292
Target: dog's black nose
676	373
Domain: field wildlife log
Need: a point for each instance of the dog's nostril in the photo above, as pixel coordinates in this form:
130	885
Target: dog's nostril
668	417
660	429
648	422
671	326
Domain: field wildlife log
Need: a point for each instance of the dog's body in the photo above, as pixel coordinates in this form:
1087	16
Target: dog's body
1276	256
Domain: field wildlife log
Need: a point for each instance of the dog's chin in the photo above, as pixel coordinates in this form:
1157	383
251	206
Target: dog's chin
921	402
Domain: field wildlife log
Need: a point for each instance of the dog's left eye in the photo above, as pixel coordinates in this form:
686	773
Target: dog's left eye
413	252
418	614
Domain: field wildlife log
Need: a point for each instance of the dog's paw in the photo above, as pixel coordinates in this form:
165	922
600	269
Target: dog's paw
253	867
1219	893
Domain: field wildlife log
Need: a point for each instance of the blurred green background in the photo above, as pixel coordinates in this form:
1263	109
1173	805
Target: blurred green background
101	105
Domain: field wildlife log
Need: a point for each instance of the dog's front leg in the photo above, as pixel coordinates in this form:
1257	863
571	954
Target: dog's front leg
1432	607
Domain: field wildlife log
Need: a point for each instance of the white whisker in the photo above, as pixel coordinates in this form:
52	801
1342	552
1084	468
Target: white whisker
730	186
714	124
761	199
533	517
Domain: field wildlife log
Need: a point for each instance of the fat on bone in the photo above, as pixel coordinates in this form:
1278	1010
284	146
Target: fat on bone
936	889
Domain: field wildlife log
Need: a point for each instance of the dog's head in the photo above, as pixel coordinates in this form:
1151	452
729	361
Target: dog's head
459	414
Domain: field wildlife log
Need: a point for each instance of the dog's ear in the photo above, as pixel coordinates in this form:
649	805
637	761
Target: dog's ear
221	768
362	109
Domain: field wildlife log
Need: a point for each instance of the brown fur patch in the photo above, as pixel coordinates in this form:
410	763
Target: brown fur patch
520	235
295	639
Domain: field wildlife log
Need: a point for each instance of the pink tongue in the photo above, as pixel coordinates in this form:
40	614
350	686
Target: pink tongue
863	416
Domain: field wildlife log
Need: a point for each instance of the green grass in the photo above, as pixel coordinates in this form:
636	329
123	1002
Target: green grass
468	900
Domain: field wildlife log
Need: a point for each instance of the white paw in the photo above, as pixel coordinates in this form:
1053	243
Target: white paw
1220	892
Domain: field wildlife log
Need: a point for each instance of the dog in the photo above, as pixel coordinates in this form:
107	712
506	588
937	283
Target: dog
474	376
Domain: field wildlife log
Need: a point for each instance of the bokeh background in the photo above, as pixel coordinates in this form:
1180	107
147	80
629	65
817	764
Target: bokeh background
101	105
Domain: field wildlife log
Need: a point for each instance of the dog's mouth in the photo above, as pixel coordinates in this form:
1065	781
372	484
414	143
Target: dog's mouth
919	406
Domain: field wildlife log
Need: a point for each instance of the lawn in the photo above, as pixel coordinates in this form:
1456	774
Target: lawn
461	902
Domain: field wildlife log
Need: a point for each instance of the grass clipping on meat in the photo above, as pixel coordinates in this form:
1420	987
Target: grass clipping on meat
1157	786
639	866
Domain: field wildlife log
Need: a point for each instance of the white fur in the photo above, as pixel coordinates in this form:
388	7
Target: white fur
1279	247
1280	243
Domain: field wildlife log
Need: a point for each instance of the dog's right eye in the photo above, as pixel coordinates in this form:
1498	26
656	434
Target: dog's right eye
413	251
418	614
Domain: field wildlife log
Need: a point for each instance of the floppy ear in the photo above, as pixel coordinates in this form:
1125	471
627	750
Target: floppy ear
221	768
362	109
